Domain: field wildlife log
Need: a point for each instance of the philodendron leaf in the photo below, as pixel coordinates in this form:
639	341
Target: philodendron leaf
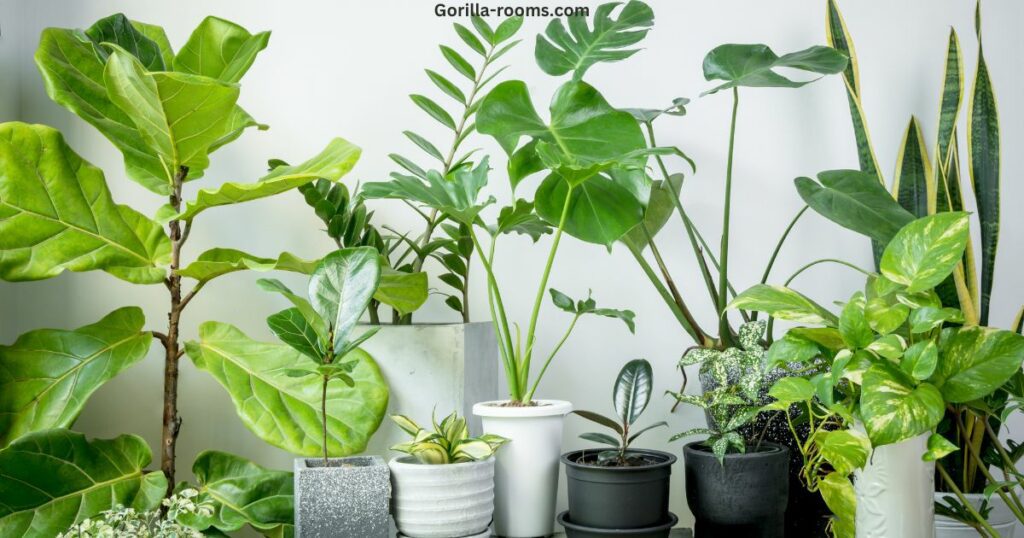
341	288
659	209
754	65
600	211
53	479
221	261
57	214
282	410
895	407
241	492
783	303
336	160
561	50
632	390
405	292
856	201
455	196
48	375
520	218
975	361
792	390
926	251
220	49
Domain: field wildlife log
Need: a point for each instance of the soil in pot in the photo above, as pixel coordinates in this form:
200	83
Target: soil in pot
618	495
744	496
575	530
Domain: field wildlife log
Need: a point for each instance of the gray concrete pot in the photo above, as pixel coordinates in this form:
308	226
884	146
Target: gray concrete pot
346	499
442	501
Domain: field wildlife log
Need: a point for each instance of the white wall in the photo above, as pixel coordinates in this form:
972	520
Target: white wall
345	67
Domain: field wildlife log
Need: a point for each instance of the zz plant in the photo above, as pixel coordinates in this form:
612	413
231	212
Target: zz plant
167	112
449	442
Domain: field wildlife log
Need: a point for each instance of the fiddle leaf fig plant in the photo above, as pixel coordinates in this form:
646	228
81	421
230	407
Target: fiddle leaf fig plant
631	394
449	442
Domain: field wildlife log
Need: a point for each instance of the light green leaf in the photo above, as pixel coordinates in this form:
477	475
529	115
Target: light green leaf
57	214
520	218
792	390
632	390
846	450
926	251
920	360
241	492
927	318
601	211
456	196
753	66
560	50
336	160
975	361
238	121
783	303
157	35
56	478
221	261
313	319
885	316
853	324
890	346
938	448
220	49
837	490
405	292
856	201
341	288
895	408
284	411
291	327
790	349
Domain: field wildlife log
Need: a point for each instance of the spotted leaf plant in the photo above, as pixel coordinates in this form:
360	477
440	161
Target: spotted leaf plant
448	442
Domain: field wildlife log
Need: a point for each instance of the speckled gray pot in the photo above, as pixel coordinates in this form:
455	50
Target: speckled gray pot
346	499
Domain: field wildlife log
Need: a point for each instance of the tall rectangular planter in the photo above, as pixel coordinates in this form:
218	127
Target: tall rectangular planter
451	366
349	498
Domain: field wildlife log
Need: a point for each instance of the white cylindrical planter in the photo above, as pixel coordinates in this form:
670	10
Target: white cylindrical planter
526	475
442	501
1001	518
895	492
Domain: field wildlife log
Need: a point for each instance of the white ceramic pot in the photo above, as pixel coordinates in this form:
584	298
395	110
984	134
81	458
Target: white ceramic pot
895	492
1001	518
442	501
526	474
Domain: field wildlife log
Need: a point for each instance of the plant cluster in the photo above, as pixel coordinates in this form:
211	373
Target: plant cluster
449	442
124	522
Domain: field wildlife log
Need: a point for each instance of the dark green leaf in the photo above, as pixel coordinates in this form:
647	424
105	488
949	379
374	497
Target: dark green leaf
425	145
447	87
632	390
470	39
600	419
599	211
520	218
292	328
455	196
434	110
983	150
120	31
458	62
602	438
910	185
341	288
753	65
507	28
560	50
856	201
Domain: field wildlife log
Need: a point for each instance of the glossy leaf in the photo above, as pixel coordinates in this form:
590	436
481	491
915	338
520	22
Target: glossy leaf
341	287
792	390
885	316
291	327
522	219
975	361
632	390
790	349
895	408
845	450
310	315
659	209
434	110
599	419
405	292
221	261
949	113
856	201
118	30
927	318
602	438
57	214
783	303
220	49
456	196
926	251
913	184
336	160
938	448
600	211
841	499
575	49
53	479
853	324
241	492
920	360
284	411
754	66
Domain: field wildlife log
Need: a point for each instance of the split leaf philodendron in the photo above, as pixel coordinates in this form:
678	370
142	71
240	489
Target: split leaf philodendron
167	112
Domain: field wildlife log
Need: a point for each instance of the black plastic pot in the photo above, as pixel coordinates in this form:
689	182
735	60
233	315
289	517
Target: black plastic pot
619	497
572	530
746	496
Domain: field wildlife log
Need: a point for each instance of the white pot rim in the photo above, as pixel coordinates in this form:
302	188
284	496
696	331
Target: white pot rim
545	408
408	461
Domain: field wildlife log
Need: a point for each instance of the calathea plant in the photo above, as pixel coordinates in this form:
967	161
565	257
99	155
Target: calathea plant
449	442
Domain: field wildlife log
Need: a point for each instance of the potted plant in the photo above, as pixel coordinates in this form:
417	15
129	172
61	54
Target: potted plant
731	454
444	486
878	378
620	488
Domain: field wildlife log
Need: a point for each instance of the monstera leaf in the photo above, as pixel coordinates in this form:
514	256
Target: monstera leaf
220	49
658	211
221	261
576	49
285	411
56	214
926	251
47	375
53	479
754	66
456	196
894	407
341	288
856	201
599	211
241	492
336	160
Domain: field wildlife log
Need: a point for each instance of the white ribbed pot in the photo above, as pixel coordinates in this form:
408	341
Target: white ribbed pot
895	492
442	501
526	474
1001	518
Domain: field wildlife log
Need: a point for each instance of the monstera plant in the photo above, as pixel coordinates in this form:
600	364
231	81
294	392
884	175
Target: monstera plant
167	112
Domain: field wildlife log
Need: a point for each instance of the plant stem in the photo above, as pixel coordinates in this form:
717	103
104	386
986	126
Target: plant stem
172	350
666	295
963	500
536	382
323	415
500	321
778	246
693	328
724	332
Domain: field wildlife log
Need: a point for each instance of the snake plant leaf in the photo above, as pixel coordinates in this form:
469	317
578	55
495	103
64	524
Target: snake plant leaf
282	410
753	66
659	209
576	49
158	36
926	251
856	201
341	287
632	391
584	128
221	261
845	450
949	112
783	303
405	292
220	49
522	219
600	211
974	361
118	30
913	185
920	360
57	214
48	375
53	479
841	499
983	149
853	323
336	160
241	493
895	407
456	196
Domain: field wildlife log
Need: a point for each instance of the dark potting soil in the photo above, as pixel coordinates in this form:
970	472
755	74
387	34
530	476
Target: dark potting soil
637	460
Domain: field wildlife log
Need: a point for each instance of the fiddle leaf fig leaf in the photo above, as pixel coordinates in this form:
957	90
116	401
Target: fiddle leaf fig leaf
247	369
560	50
856	201
895	407
221	261
118	30
632	390
336	160
62	479
291	327
48	375
57	214
241	492
220	49
456	196
783	303
405	292
974	361
313	319
754	65
341	288
924	252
